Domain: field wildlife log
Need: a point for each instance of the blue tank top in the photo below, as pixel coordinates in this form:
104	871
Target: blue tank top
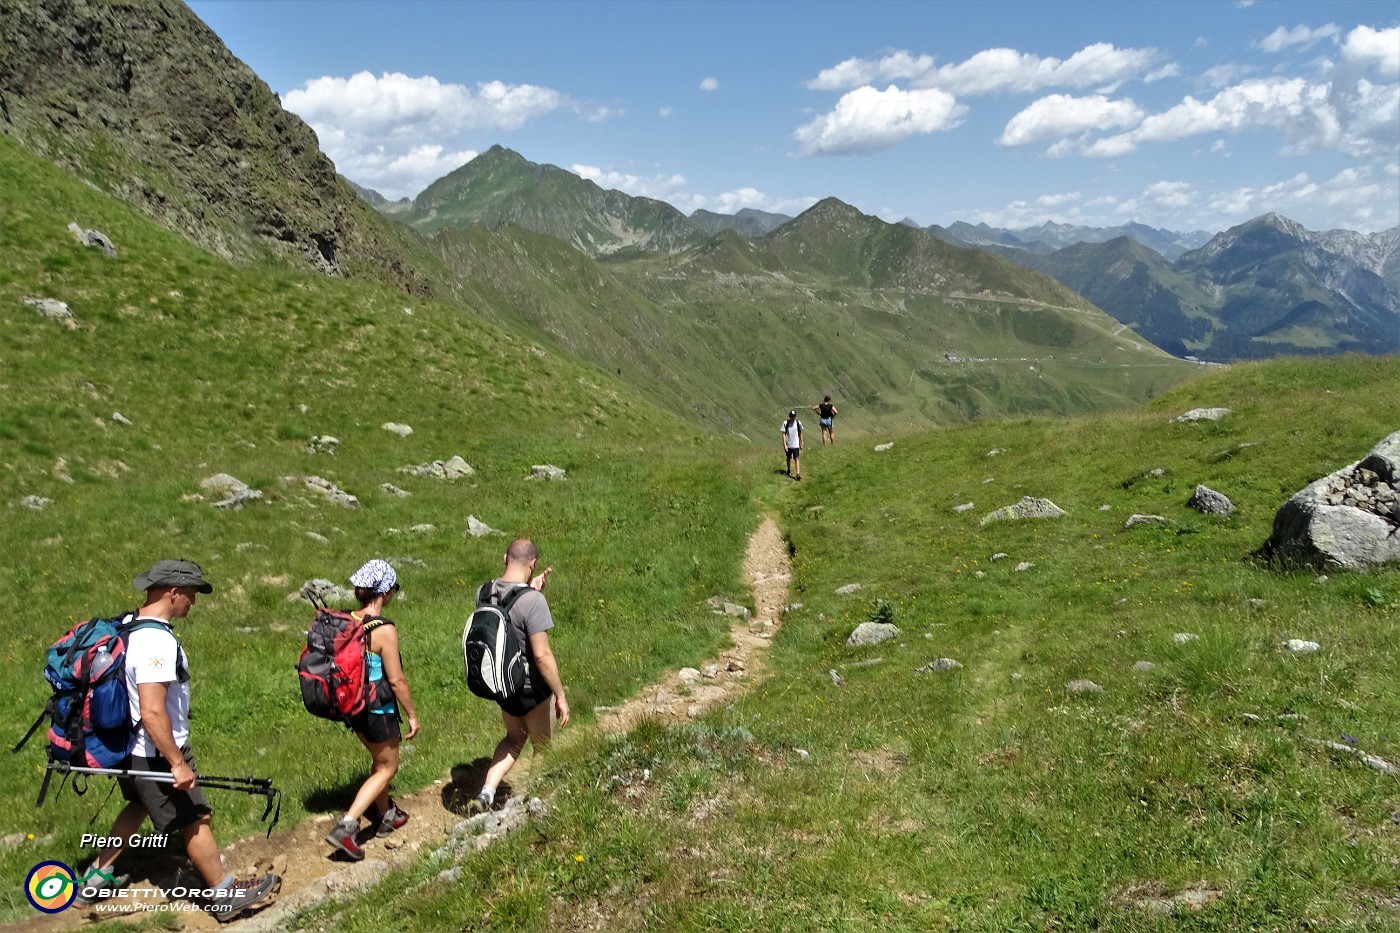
376	676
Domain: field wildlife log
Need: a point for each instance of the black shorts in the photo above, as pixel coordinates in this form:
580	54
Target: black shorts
171	810
794	452
377	727
521	704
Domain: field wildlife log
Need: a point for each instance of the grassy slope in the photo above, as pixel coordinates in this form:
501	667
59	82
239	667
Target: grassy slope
212	365
991	798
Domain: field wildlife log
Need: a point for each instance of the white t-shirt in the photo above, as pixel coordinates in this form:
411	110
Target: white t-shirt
792	432
153	656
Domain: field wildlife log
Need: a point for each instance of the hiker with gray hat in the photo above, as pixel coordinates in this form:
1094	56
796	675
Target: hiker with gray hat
158	688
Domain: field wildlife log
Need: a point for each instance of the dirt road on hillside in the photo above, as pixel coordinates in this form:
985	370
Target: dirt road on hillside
310	874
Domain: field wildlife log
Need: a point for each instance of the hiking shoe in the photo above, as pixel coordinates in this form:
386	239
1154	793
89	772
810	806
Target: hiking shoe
245	893
343	838
480	804
97	885
393	819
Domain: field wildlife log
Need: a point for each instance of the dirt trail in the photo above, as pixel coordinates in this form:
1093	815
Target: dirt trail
310	874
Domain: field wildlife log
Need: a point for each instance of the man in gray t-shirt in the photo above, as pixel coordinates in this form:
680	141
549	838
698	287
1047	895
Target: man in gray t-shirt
531	714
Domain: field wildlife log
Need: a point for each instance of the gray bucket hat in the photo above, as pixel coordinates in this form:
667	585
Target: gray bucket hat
173	573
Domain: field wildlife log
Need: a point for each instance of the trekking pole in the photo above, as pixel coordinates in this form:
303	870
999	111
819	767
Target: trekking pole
261	787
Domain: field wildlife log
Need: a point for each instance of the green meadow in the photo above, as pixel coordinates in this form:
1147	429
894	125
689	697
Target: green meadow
986	797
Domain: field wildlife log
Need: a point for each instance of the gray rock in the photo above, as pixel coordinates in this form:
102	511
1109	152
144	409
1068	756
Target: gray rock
965	507
1182	638
871	633
1299	646
393	490
1209	502
323	444
1028	507
37	503
54	310
1083	686
999	555
94	238
938	666
323	591
318	538
230	491
848	589
1142	667
424	529
1105	508
454	468
995	451
881	448
333	493
393	427
1205	414
836	679
1135	519
546	471
1024	565
479	529
1348	519
119	418
689	675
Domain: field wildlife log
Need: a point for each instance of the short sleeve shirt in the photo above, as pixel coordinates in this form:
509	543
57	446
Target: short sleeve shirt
530	615
792	433
153	656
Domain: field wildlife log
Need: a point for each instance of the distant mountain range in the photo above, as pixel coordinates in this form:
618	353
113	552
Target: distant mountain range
1049	237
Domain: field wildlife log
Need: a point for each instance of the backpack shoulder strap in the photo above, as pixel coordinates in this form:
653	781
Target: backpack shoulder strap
131	624
371	623
514	595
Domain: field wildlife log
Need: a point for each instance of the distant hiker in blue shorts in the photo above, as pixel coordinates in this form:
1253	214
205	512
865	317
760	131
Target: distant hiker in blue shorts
378	727
826	413
791	430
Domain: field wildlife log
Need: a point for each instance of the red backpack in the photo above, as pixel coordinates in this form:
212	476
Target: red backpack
332	669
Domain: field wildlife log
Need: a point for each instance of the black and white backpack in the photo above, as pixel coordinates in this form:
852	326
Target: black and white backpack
496	660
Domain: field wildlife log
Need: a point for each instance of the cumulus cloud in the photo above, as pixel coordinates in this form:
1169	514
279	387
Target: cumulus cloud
1355	199
1060	115
395	133
995	70
666	111
660	187
1378	48
731	202
709	84
866	120
1298	37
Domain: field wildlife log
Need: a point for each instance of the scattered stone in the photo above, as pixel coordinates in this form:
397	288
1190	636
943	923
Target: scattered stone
234	491
836	679
318	538
1105	507
441	469
803	754
119	418
689	675
1182	638
1160	902
1158	473
1028	507
323	444
938	666
1024	565
424	529
479	529
1209	502
979	574
334	494
393	490
1083	686
93	238
546	472
871	633
245	629
1299	646
868	662
323	592
54	310
996	450
1142	667
710	671
881	448
848	589
1257	603
999	555
1349	519
1372	761
37	503
721	606
965	507
1204	414
393	427
1137	519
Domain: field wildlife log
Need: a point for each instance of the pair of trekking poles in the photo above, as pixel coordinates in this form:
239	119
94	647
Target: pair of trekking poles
258	787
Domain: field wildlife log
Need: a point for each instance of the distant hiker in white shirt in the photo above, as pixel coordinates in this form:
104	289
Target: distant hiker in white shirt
791	431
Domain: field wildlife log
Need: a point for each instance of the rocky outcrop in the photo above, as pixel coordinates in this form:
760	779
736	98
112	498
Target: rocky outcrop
1349	519
1208	501
142	98
1028	507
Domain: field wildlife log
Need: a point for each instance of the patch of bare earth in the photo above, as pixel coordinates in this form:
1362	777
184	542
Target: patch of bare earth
312	875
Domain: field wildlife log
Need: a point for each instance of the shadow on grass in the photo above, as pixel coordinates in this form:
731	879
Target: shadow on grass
466	783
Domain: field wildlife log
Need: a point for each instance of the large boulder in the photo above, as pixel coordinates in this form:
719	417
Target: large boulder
1350	519
1028	507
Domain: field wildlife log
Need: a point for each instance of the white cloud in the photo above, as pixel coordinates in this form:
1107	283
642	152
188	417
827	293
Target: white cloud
1376	47
1060	115
1298	37
666	111
866	120
1055	200
709	84
1353	199
731	202
994	70
394	133
659	187
1220	76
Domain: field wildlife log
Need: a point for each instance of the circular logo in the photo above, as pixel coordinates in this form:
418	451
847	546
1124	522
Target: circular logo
51	887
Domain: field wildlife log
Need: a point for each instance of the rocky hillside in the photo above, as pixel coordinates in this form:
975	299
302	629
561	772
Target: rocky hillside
142	99
1049	237
747	222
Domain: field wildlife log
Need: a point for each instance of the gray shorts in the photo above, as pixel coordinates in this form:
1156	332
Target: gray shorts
171	810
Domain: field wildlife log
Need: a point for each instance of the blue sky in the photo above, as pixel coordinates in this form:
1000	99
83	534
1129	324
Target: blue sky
1185	115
